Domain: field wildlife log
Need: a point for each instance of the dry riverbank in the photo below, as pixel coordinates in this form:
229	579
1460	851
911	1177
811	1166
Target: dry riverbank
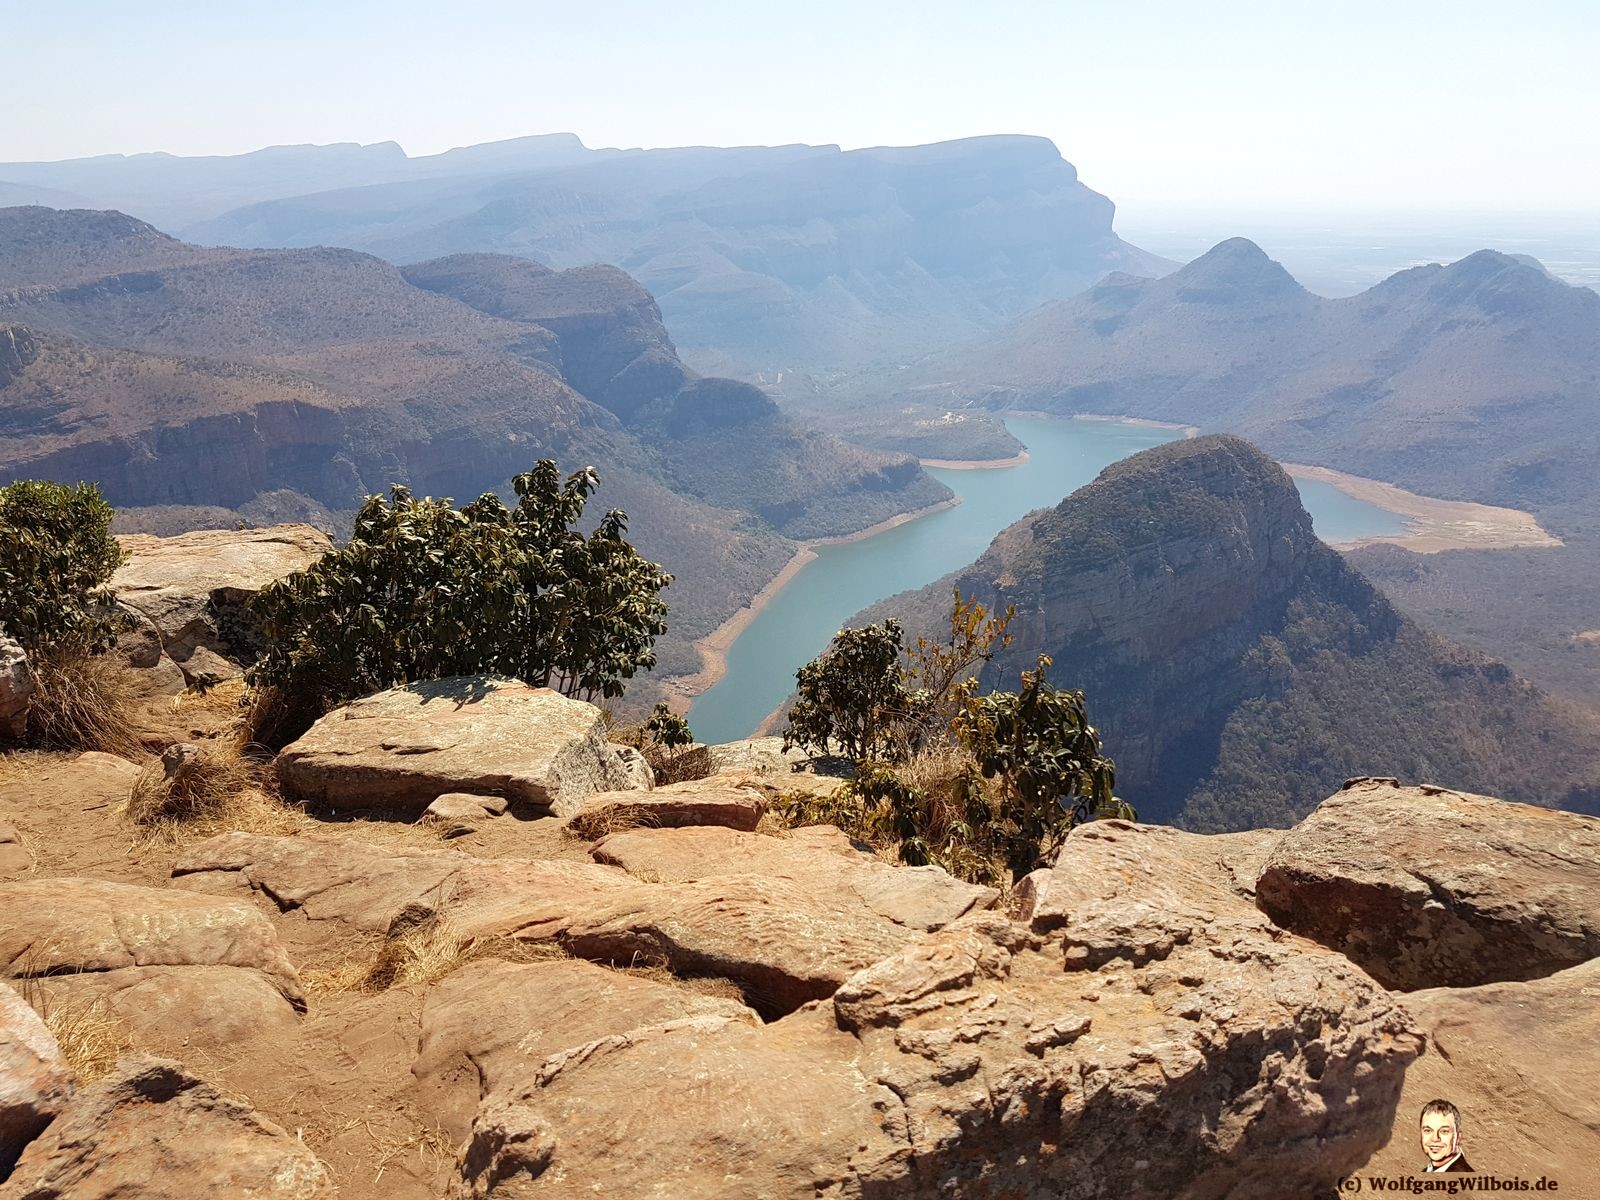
975	464
1434	525
713	648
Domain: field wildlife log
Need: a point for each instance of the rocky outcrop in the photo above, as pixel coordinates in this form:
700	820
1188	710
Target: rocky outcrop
35	1080
17	686
169	965
988	1060
710	801
459	814
492	1023
152	1131
188	594
819	859
401	749
1425	887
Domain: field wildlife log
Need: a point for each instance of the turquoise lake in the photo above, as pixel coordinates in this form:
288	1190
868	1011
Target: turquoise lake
1062	455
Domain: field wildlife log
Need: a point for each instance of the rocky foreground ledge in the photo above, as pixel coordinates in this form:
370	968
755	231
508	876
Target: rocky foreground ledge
659	994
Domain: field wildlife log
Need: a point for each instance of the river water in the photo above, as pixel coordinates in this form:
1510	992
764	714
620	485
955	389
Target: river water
1062	455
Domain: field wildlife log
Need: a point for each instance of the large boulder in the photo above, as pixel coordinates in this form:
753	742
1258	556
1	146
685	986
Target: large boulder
1153	1036
1519	1060
17	686
35	1080
152	1131
820	859
188	593
401	749
491	1022
1427	887
174	967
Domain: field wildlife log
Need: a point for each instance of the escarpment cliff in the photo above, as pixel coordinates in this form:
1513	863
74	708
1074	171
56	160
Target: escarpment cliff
198	384
1238	668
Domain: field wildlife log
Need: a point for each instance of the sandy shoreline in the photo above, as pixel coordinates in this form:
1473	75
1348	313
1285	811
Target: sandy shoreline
1433	525
975	464
713	648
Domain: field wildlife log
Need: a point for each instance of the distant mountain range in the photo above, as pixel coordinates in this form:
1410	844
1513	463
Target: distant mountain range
1238	669
199	385
1479	380
763	259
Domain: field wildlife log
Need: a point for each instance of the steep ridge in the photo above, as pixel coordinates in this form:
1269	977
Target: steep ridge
192	380
762	257
1479	380
1238	668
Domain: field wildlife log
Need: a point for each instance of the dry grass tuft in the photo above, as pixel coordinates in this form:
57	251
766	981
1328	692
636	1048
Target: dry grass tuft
613	818
704	985
85	702
421	957
204	785
91	1039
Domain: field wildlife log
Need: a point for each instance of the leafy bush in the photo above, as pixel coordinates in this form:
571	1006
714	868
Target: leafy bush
425	591
854	695
668	730
1038	744
975	784
56	557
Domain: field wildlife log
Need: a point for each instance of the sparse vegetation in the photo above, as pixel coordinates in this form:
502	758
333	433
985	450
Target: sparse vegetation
90	1036
84	701
978	785
56	557
183	787
424	591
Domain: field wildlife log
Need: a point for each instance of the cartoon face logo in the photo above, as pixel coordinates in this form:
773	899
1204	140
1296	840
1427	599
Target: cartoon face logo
1441	1137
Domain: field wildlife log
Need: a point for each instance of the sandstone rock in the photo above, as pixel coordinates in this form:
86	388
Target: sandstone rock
1426	887
1520	1061
400	749
988	1060
182	968
460	813
762	755
637	773
330	879
820	859
17	686
781	941
192	589
713	801
35	1081
152	1131
14	857
491	1022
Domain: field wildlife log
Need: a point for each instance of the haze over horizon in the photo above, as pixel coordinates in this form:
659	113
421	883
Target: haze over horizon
1261	108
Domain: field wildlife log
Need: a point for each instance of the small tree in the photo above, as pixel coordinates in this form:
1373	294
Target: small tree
1039	744
56	557
853	695
668	730
423	591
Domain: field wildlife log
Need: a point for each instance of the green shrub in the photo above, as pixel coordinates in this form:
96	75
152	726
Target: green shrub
1038	745
854	695
56	557
975	784
423	591
668	730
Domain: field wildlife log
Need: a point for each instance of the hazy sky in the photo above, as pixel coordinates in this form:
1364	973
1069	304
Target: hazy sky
1162	104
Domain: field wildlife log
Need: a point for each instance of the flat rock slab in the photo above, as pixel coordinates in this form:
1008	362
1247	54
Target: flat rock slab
152	1131
401	749
185	968
1426	887
781	941
1520	1061
987	1060
492	1022
819	859
712	801
35	1080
